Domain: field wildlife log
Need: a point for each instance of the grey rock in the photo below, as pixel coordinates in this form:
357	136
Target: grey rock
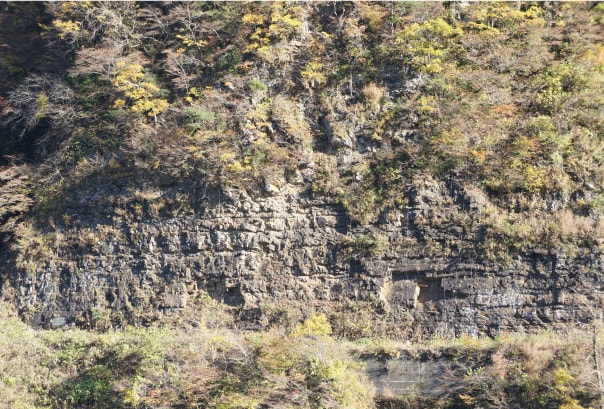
58	322
292	247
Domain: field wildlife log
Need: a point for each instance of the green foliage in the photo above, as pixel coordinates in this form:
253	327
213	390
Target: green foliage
254	85
92	390
372	187
326	175
368	245
199	119
554	87
230	60
42	105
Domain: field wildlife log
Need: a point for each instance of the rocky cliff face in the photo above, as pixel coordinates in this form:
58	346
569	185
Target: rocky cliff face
136	258
428	167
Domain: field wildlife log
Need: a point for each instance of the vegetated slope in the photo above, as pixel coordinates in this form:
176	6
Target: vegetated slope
434	164
200	359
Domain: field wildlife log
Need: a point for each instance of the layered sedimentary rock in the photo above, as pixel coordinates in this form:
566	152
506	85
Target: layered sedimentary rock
289	246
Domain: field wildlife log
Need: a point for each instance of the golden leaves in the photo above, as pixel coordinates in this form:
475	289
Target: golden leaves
141	92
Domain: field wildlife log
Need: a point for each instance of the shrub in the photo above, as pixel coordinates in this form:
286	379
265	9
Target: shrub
368	245
326	177
229	60
289	118
373	95
317	325
254	85
199	119
141	92
429	46
372	187
314	74
93	389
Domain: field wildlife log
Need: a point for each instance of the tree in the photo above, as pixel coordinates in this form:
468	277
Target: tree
430	45
140	90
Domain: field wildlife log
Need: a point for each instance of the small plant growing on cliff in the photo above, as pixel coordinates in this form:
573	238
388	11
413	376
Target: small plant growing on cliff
255	85
428	46
368	245
199	119
373	94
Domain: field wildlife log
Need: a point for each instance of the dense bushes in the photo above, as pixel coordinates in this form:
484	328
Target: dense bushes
199	359
485	101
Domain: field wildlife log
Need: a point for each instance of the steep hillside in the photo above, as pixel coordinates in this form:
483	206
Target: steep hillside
405	168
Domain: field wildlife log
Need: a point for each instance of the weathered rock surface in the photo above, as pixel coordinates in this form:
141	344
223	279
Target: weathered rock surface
289	246
407	375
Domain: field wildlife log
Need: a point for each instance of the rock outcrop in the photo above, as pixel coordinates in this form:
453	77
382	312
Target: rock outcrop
293	247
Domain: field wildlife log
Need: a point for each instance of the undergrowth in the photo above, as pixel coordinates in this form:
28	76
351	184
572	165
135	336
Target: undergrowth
197	363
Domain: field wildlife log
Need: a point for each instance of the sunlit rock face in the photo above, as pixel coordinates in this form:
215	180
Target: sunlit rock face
290	247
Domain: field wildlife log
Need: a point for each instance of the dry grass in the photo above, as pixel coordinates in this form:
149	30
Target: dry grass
288	116
374	14
574	226
373	95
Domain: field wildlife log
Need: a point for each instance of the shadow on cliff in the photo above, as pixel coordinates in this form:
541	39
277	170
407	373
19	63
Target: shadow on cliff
65	221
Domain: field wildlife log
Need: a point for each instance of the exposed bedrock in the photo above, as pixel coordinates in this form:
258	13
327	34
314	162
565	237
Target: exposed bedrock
291	247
